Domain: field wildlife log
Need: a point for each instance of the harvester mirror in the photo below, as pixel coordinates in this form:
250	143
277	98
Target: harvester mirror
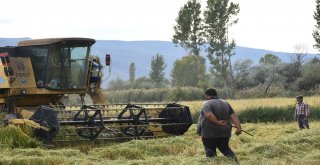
8	71
108	59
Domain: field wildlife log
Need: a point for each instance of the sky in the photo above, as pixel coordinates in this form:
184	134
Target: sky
276	25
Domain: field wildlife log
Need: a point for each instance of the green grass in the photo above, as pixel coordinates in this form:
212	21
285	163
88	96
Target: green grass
274	143
261	109
267	114
274	114
14	137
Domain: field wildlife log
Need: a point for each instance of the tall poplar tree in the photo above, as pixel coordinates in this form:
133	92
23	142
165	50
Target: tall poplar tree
316	32
188	28
217	18
132	72
157	74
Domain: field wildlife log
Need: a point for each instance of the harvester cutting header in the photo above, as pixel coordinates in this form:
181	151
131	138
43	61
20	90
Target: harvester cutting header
37	74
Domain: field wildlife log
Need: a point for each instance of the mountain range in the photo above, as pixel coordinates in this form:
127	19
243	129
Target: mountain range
123	53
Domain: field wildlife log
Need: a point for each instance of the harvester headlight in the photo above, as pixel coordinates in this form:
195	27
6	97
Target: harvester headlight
23	91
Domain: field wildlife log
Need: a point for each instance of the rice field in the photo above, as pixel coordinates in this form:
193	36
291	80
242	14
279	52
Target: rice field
243	104
273	143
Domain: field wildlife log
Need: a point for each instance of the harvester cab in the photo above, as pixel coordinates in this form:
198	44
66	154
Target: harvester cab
37	74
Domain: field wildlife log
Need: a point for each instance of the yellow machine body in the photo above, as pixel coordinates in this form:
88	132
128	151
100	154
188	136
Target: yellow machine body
42	71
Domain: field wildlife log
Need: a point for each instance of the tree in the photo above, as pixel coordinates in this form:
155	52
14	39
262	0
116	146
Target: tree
293	70
188	28
157	74
132	72
189	71
242	70
142	83
118	84
217	18
259	74
269	59
310	79
316	32
271	64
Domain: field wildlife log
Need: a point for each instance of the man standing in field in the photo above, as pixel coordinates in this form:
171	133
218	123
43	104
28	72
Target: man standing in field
215	121
301	113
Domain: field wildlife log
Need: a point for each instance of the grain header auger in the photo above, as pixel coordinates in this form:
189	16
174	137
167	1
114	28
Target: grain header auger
37	74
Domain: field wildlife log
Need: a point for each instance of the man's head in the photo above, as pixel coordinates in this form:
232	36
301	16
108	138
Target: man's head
211	93
299	98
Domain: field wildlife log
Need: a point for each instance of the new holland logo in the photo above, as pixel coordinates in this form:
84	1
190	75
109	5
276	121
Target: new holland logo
20	66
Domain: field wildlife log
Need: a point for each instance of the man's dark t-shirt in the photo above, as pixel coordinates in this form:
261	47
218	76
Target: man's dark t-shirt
222	110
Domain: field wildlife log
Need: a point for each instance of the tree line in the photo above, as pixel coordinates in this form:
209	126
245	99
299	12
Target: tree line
270	77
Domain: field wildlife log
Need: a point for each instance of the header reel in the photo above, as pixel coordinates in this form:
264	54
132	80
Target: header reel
111	122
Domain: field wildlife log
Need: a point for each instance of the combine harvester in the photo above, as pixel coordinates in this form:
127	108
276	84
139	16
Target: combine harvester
37	74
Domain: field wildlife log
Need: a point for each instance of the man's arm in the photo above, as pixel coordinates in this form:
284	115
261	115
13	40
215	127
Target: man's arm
237	123
307	111
212	118
295	113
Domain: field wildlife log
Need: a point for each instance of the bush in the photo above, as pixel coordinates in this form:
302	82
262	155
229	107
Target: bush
259	91
155	95
274	114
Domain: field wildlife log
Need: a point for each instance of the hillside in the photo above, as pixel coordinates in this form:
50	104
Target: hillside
141	52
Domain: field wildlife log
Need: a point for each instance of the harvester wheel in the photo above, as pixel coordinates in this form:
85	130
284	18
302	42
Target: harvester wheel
93	122
137	120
